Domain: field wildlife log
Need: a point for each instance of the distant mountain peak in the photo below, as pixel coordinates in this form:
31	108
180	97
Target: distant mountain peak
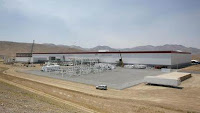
97	48
10	48
166	47
49	44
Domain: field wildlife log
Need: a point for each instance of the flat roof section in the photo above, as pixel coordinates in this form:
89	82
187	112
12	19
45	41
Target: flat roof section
114	52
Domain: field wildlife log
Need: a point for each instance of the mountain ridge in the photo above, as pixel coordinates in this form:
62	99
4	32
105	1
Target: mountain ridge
8	48
166	47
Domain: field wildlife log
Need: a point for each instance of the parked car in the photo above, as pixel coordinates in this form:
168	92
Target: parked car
194	62
101	87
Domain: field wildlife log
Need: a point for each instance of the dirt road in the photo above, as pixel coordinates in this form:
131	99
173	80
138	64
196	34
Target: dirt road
140	98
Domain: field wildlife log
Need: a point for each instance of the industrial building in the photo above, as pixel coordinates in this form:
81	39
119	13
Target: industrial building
168	59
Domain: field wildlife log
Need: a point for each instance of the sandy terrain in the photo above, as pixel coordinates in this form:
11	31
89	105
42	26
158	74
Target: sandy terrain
16	100
192	68
141	98
11	48
196	57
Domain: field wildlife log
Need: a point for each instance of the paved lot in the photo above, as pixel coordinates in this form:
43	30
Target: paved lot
119	78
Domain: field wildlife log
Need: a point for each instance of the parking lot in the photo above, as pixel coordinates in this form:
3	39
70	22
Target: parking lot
119	78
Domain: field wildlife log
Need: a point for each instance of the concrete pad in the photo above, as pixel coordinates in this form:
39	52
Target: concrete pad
119	78
169	79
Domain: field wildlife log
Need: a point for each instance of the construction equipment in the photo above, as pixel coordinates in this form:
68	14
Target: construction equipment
29	60
120	63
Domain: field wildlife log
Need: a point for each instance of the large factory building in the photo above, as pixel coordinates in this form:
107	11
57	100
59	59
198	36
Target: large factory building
169	59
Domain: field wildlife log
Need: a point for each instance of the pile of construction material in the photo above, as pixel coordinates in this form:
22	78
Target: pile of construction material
136	66
80	67
104	66
49	67
170	79
129	66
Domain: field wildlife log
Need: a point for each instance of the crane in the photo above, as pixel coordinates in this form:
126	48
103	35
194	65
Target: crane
120	63
29	61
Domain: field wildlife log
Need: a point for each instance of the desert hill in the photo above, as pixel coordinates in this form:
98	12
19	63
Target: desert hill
11	48
167	47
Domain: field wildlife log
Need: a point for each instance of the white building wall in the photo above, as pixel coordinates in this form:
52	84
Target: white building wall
129	58
23	59
138	58
180	58
46	56
37	59
148	58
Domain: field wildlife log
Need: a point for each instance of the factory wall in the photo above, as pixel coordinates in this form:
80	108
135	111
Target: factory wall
169	59
138	58
64	56
147	58
180	60
38	59
23	59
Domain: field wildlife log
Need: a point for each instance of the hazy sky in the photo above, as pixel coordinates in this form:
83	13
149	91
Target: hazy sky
88	23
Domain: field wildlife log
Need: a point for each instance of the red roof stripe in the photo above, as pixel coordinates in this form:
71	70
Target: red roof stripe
117	52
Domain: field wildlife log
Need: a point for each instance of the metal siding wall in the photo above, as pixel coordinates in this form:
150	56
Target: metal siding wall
22	59
148	58
36	59
180	58
66	56
138	58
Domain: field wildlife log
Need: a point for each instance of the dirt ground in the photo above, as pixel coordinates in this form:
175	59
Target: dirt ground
196	57
192	68
141	98
16	100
